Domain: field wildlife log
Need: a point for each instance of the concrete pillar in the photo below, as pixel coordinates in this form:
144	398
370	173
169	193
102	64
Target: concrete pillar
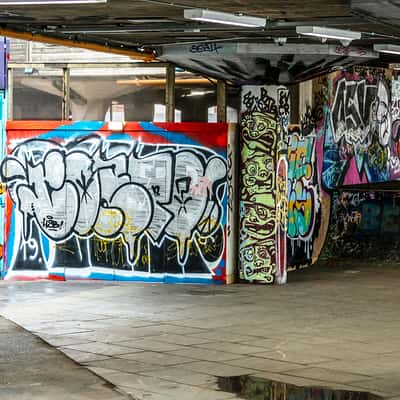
233	201
170	94
265	115
221	101
66	103
294	103
305	97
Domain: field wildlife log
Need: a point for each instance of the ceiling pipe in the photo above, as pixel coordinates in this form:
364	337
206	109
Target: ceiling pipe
151	82
37	37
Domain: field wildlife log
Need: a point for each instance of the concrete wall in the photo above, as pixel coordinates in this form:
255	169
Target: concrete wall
146	203
365	227
159	202
292	176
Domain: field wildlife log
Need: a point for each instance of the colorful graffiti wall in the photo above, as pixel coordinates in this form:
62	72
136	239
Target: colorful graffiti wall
284	210
303	194
362	130
350	137
264	120
166	202
365	226
148	203
361	152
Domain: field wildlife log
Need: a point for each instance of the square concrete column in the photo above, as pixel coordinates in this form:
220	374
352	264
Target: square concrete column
263	176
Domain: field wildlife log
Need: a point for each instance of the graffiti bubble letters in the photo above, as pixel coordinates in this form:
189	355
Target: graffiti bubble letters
110	190
301	191
351	110
359	109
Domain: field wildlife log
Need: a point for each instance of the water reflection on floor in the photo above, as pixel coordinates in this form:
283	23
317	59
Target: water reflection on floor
257	388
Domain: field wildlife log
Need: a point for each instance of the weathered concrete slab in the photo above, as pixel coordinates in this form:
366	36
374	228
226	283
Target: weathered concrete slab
32	369
335	328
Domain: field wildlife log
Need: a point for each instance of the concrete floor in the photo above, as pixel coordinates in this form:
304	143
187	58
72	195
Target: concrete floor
336	328
30	369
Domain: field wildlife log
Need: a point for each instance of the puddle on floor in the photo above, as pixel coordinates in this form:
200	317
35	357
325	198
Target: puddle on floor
257	388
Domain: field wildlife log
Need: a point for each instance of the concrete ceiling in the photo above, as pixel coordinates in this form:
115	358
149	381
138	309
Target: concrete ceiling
158	27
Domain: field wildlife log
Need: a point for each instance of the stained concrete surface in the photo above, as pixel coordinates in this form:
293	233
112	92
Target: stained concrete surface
336	328
32	369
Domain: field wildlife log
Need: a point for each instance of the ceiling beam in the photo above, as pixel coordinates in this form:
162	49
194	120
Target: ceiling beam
152	82
37	37
73	65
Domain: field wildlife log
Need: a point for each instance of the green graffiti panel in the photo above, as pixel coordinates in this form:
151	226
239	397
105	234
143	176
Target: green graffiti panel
259	131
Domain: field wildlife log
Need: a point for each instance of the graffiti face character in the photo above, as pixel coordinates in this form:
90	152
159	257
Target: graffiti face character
259	176
260	220
256	261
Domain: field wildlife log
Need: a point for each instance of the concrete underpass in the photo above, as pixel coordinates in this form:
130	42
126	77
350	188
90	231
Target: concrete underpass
199	200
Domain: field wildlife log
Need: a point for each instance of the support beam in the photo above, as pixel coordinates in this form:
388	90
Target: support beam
71	65
170	94
66	105
153	82
305	97
37	37
294	103
28	52
221	101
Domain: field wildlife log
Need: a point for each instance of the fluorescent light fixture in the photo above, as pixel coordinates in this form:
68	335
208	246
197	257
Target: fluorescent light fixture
42	2
218	17
328	33
387	48
198	93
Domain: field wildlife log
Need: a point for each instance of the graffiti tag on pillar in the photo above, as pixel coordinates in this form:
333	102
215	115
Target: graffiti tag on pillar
259	128
303	195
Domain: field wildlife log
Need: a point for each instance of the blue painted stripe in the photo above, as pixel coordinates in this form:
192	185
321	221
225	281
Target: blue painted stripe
120	136
98	276
45	245
186	280
74	130
56	273
149	279
224	204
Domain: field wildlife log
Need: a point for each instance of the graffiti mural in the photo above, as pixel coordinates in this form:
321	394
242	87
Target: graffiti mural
260	131
394	150
303	196
360	142
157	202
365	225
349	137
361	147
147	203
